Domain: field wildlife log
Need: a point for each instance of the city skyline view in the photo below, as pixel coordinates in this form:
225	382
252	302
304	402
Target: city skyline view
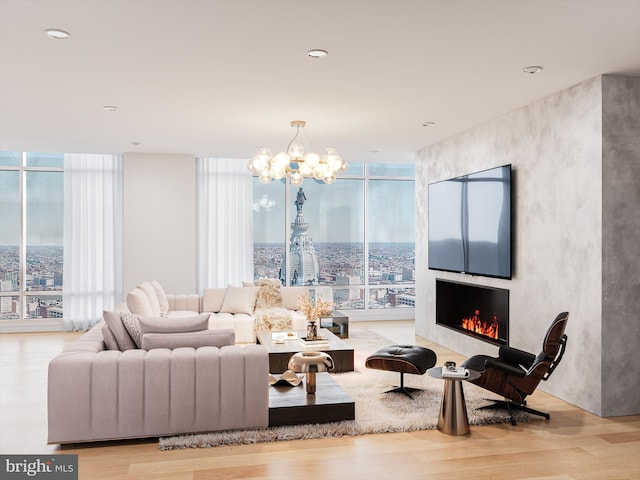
341	216
41	202
391	272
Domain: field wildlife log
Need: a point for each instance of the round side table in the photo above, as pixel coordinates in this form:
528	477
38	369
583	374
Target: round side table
453	418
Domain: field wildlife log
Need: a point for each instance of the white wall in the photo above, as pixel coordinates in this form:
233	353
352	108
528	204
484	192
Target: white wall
160	231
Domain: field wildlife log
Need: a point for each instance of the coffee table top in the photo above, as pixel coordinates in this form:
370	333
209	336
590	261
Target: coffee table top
294	346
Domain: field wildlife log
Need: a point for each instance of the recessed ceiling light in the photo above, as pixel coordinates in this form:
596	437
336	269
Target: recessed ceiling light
137	144
531	69
57	33
374	152
428	124
317	53
110	108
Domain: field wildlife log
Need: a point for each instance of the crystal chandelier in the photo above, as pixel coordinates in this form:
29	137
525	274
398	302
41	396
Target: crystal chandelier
296	164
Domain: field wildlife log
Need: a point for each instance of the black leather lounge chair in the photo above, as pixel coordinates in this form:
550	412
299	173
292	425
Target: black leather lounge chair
514	374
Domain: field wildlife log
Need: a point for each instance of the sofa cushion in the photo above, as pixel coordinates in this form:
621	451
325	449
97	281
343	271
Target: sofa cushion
162	298
138	303
132	324
203	338
212	299
117	328
290	296
152	296
242	324
181	313
173	325
269	294
239	300
109	340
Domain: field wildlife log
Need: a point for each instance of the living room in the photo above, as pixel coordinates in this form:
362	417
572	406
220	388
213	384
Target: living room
572	143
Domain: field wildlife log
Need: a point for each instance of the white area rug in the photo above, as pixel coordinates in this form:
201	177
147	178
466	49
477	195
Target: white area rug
376	412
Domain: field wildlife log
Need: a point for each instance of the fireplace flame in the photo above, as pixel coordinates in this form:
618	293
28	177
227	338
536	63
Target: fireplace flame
474	324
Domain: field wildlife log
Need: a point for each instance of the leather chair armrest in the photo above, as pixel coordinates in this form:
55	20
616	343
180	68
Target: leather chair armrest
516	357
504	367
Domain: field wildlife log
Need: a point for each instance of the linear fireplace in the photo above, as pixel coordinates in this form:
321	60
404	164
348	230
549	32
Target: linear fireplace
481	312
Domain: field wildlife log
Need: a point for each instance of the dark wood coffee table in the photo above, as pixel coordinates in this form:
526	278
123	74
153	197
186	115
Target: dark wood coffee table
280	353
292	405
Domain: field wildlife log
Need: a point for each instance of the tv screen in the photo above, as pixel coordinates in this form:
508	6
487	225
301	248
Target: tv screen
470	223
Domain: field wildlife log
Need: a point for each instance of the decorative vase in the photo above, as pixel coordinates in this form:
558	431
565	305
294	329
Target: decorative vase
312	330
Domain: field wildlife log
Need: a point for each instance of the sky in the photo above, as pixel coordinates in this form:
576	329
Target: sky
335	213
45	208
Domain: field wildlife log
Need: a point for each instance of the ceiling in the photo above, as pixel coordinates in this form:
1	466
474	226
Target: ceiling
221	78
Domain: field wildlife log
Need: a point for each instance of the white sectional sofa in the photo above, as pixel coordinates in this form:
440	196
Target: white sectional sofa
170	364
95	393
263	306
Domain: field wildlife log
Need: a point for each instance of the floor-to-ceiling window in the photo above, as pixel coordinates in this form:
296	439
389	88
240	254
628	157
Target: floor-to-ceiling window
31	235
361	229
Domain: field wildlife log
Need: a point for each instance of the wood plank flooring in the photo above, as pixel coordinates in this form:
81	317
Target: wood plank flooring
573	445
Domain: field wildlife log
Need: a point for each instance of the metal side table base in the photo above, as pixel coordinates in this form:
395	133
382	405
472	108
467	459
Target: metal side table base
453	418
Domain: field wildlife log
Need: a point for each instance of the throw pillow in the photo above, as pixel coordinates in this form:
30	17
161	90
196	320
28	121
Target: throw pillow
108	338
203	338
138	303
290	296
269	294
173	325
248	284
162	298
122	337
132	324
273	319
152	296
239	299
212	299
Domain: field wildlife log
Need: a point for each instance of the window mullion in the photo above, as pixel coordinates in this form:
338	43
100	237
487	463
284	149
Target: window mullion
365	211
22	237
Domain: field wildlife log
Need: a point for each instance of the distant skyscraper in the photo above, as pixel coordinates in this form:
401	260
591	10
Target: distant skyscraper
347	294
5	302
305	269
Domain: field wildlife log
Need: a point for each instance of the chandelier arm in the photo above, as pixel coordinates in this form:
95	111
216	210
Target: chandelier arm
294	138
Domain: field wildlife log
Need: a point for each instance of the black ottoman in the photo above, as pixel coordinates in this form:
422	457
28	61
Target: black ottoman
404	359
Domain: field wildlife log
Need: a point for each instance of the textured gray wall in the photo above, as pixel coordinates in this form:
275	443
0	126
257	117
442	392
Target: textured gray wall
620	244
555	148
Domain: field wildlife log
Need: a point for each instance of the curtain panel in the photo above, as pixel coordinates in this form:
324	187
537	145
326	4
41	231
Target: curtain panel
225	222
93	238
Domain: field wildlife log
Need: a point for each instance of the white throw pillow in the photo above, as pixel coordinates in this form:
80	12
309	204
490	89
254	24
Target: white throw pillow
290	296
162	298
152	296
138	303
239	299
212	299
119	331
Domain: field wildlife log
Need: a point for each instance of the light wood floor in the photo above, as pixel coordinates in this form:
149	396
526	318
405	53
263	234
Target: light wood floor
574	444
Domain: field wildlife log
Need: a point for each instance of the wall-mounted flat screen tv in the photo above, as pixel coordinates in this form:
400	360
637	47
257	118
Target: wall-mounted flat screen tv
470	223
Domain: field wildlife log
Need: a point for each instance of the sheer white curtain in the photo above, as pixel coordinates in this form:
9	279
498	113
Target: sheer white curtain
225	222
93	238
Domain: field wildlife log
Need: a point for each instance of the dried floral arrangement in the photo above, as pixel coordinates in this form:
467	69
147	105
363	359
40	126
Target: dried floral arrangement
314	311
